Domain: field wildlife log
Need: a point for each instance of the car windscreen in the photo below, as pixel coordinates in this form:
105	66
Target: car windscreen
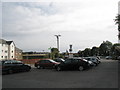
67	61
52	61
94	59
85	60
62	60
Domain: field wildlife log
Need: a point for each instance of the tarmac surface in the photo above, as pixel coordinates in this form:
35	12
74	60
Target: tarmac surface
105	75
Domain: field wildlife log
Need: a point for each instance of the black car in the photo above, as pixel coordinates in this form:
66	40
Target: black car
89	62
47	63
72	64
11	66
108	57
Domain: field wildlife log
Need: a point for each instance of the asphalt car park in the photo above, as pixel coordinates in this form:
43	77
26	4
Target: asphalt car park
105	75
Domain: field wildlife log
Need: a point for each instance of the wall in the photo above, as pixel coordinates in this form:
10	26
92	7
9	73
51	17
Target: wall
12	51
3	51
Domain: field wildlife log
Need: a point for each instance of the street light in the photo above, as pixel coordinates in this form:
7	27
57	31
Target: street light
57	36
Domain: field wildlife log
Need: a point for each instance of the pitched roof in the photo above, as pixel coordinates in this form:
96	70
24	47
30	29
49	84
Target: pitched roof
2	41
9	42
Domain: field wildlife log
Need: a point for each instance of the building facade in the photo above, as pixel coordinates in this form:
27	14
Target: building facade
8	50
18	53
35	55
3	50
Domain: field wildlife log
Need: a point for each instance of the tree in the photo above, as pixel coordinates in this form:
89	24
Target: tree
80	53
117	20
87	52
55	53
115	50
105	48
95	51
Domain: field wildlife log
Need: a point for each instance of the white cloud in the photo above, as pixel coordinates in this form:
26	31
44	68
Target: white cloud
84	23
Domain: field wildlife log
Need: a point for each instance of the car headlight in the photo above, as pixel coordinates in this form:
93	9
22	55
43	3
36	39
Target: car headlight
90	62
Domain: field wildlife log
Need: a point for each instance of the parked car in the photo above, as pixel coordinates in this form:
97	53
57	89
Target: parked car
72	64
118	58
99	59
59	60
108	57
12	66
89	62
93	59
47	63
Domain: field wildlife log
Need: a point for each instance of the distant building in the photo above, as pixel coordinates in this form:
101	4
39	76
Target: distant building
7	50
35	55
18	53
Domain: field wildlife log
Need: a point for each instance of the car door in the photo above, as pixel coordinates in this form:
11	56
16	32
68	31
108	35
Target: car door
42	63
48	64
75	63
20	66
6	65
16	66
51	64
11	65
68	64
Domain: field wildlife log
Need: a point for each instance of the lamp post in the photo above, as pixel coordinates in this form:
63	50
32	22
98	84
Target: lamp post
57	36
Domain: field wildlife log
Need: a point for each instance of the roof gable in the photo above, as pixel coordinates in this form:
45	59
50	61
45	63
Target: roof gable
9	42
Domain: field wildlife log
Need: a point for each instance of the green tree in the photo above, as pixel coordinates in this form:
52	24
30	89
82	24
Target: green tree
80	53
117	20
95	51
54	53
105	48
115	50
87	52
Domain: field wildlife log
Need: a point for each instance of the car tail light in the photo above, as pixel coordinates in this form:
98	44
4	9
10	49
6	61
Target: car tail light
37	62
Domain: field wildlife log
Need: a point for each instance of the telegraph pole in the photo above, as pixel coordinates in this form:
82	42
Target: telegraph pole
57	36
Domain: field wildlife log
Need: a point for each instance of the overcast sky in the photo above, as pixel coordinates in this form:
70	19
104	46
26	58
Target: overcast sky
82	23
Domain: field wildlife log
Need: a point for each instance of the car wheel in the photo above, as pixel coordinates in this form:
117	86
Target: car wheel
96	64
10	71
99	62
27	69
58	68
38	66
81	68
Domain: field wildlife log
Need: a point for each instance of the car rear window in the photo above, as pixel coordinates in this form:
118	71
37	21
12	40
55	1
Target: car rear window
52	61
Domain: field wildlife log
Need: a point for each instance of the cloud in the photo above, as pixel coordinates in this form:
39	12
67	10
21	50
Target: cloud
82	23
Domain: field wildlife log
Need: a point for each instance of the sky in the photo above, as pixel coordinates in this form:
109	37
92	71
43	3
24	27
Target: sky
82	23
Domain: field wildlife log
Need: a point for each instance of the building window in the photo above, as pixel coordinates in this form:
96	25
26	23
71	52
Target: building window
12	56
12	51
2	50
1	56
6	51
5	57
